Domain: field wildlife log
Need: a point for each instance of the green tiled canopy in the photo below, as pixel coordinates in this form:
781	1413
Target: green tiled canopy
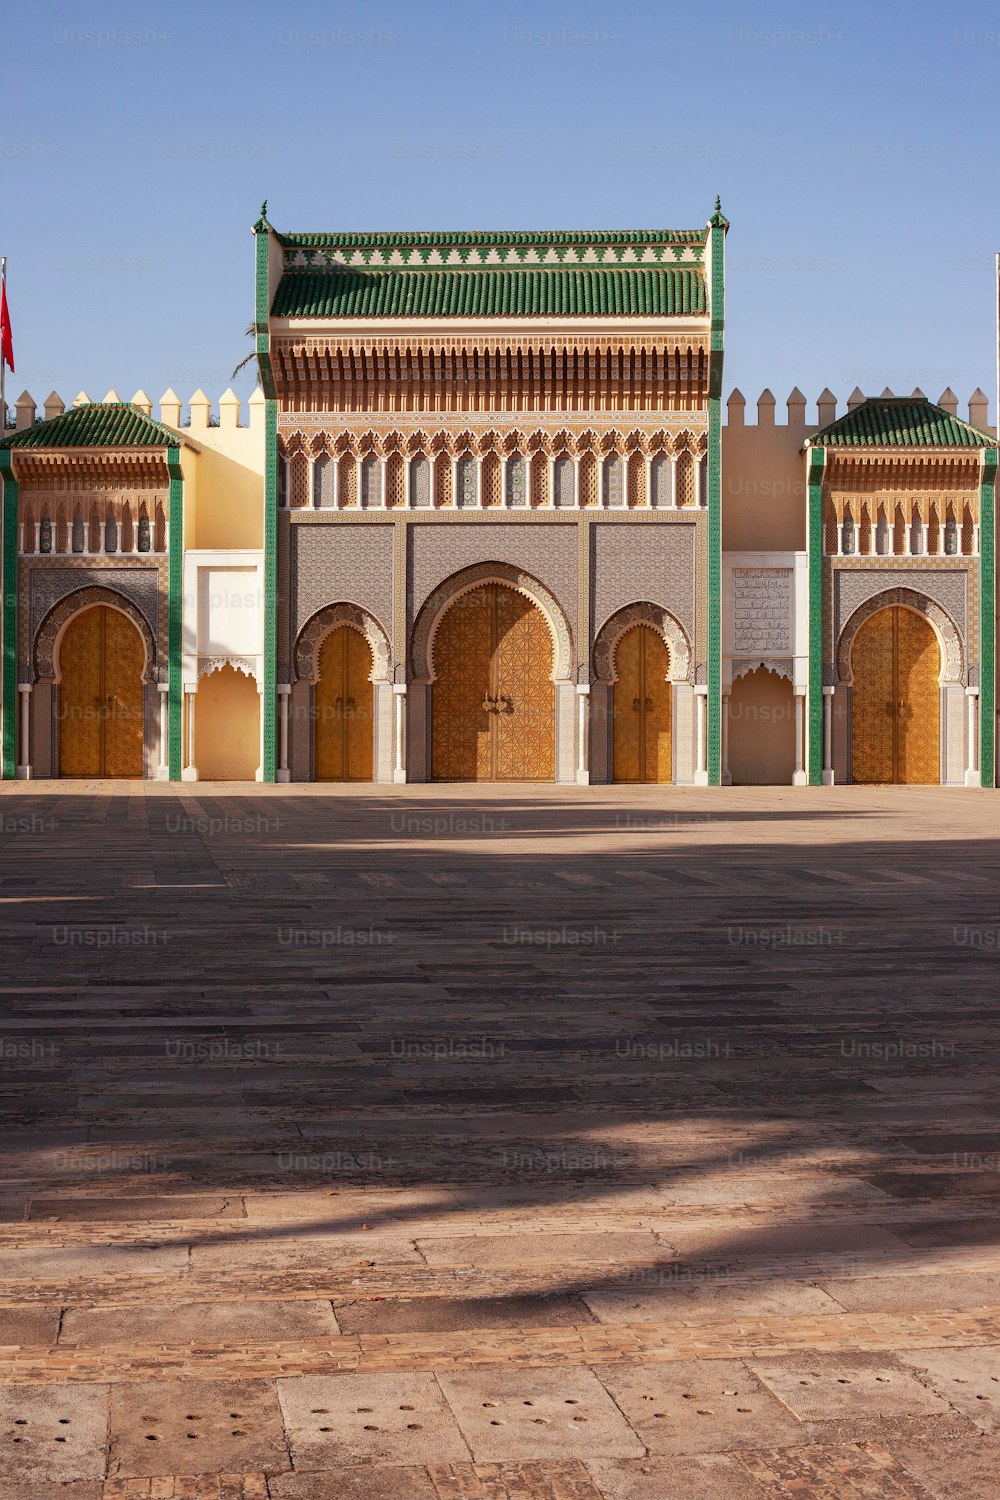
899	422
540	292
112	424
529	238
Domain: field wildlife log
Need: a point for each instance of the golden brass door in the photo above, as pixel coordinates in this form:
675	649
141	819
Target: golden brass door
895	721
344	705
101	696
641	741
493	704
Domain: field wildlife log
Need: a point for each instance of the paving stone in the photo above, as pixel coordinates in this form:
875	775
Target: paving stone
709	1298
76	1489
395	1418
358	1482
28	1325
699	1406
267	1253
557	1170
91	1260
710	1476
202	1427
566	1480
198	1322
968	1379
855	1471
916	1293
537	1414
953	1468
53	1434
516	1249
832	1387
445	1314
137	1210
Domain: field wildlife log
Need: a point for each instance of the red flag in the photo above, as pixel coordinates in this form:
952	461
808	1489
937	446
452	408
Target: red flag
6	341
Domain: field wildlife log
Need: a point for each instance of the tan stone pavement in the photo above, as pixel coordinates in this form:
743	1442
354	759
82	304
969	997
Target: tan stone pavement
590	1143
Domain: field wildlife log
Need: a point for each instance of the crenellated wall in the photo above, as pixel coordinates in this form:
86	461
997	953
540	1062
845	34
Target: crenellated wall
763	468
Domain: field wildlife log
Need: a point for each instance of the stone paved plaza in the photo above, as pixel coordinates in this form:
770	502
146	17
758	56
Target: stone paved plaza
635	1143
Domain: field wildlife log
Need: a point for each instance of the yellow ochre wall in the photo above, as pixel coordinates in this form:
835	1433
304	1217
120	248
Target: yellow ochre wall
223	470
763	478
761	730
227	727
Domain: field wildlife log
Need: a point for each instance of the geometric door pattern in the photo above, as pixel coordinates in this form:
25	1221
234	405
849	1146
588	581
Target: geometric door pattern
493	700
641	739
343	703
895	718
101	659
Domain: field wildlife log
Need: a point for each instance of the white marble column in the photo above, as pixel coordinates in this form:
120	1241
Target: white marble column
800	776
190	771
399	697
258	774
701	734
727	775
282	773
583	733
828	736
972	751
163	760
24	766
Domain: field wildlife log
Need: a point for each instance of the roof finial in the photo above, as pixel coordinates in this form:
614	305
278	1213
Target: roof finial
718	219
262	222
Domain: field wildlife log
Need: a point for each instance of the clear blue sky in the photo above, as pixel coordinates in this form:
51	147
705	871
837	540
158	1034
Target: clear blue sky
854	146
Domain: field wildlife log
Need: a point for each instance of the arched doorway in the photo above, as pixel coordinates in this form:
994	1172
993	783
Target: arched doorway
101	730
895	718
641	741
343	704
227	726
493	699
761	738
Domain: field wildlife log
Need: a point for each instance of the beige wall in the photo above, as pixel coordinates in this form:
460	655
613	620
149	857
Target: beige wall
223	471
227	727
763	480
761	730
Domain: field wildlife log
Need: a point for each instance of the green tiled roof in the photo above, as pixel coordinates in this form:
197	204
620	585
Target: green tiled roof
112	424
501	237
899	422
542	292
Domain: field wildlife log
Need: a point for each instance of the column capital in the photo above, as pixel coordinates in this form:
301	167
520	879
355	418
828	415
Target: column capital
400	688
283	688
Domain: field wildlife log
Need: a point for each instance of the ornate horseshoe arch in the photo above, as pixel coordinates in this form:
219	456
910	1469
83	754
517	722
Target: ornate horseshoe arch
435	605
216	664
661	621
952	655
59	616
316	630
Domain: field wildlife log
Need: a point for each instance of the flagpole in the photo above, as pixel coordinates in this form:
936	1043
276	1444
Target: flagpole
3	362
